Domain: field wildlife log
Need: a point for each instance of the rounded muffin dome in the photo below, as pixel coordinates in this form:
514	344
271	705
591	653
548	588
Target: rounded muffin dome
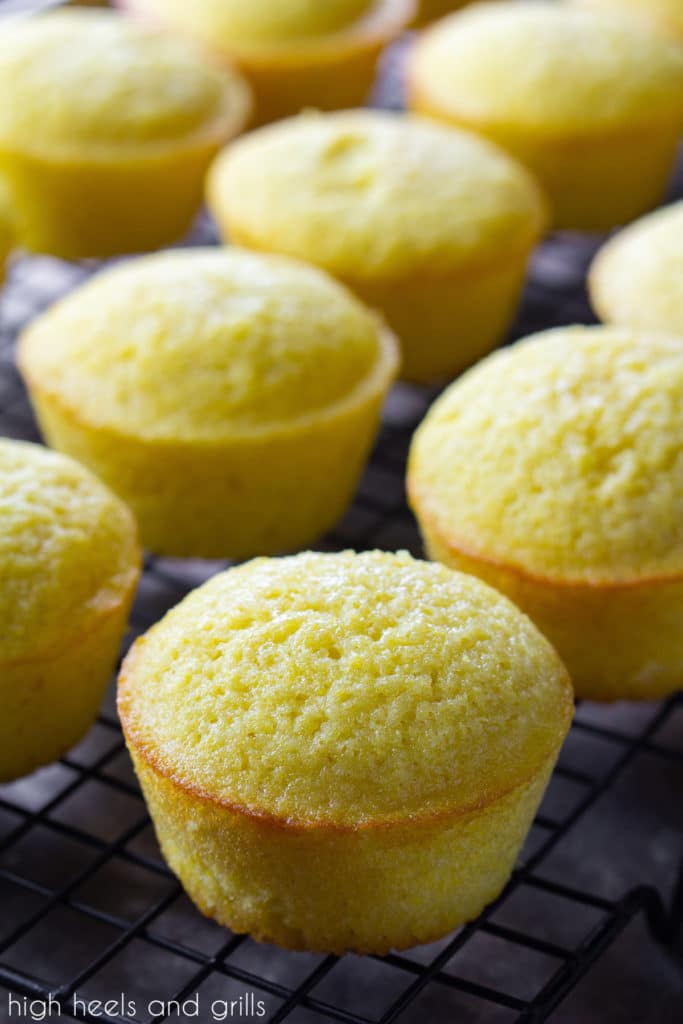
550	67
254	23
346	689
89	80
204	345
637	277
68	550
368	194
562	458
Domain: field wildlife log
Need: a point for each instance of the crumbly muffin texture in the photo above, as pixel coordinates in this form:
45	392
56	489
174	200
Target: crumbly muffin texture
68	548
561	456
345	689
241	342
94	79
571	70
637	277
368	194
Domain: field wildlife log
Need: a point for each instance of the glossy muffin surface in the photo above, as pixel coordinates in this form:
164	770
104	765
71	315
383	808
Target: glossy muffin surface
345	689
637	277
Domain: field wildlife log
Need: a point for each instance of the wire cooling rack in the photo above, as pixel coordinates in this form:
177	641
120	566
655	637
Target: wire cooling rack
89	913
88	908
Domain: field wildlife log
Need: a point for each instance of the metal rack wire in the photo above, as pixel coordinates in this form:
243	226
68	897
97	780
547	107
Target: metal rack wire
89	909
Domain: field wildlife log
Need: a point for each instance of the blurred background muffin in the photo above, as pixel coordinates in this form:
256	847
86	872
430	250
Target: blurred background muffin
106	131
637	277
431	225
590	101
295	53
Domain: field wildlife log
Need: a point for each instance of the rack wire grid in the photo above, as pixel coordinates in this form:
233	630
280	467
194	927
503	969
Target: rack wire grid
89	911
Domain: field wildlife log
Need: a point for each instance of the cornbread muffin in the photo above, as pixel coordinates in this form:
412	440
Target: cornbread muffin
230	398
637	277
666	14
590	100
106	131
6	228
294	53
69	564
554	471
343	752
431	225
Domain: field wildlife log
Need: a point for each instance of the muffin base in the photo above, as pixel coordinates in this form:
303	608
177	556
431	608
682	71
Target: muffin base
50	703
323	888
446	322
618	641
254	495
593	184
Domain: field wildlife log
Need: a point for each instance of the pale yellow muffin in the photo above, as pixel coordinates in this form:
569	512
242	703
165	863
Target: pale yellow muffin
230	398
665	14
343	752
637	277
554	471
431	225
591	101
69	564
295	53
7	229
106	131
